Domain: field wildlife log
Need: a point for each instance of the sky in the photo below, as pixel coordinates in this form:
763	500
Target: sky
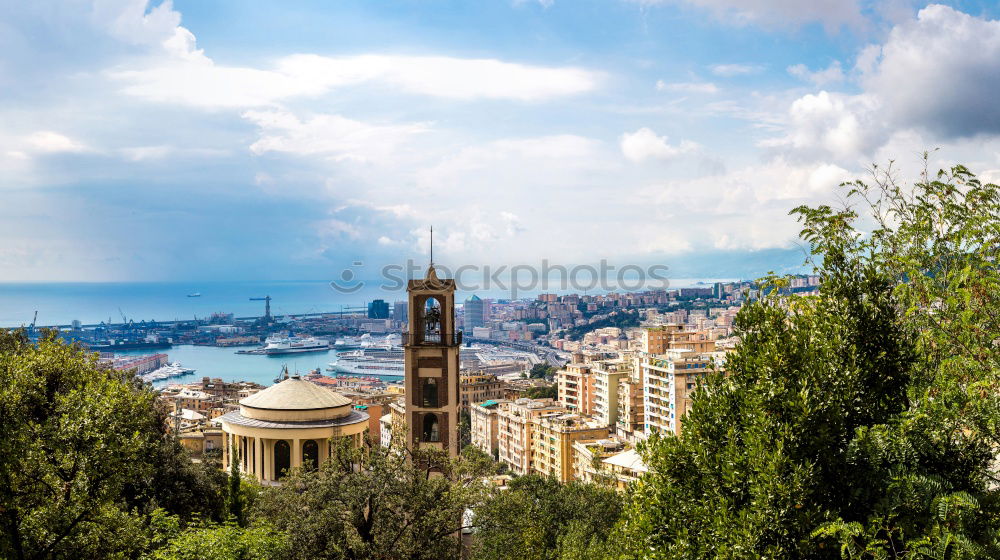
279	140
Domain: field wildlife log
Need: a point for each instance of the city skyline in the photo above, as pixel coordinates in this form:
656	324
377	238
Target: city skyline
181	141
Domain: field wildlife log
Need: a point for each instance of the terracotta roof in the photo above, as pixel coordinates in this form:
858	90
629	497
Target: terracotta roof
295	394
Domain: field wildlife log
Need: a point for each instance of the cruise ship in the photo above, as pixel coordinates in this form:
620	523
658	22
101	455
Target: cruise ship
380	358
294	344
379	363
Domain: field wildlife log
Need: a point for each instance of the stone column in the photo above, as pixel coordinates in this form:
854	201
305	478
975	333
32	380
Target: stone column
225	451
268	448
259	460
296	452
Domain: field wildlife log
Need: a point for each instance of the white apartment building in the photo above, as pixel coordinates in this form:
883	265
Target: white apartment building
385	430
669	380
485	426
606	376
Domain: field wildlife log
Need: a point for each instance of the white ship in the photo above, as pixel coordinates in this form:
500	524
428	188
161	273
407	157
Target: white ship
381	361
294	344
166	372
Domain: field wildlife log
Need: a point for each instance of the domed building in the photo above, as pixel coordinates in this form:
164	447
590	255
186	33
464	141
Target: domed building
285	425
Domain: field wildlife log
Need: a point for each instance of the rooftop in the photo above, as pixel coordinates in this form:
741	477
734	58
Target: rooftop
295	394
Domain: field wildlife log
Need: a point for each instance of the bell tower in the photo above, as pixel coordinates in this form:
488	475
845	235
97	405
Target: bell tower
431	352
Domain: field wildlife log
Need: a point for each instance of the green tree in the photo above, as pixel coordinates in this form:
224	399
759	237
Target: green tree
85	456
236	495
542	371
547	392
858	423
376	502
224	542
538	518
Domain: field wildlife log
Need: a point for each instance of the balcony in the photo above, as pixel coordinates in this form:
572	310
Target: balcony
432	339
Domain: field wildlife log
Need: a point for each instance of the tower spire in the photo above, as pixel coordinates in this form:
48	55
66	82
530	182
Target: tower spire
432	245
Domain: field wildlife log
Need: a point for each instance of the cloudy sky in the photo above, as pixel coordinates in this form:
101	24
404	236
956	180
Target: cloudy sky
277	140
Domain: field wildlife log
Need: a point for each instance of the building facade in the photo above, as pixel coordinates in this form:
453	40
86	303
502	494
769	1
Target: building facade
575	388
606	376
287	425
514	427
552	438
479	387
430	348
474	313
484	423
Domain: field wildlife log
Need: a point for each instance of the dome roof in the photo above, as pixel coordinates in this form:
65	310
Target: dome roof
295	394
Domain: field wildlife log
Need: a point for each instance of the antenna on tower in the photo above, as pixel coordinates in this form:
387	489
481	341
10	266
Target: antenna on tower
432	245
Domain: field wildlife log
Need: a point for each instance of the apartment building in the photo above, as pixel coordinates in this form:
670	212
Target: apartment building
484	426
479	387
669	381
630	424
657	340
606	376
575	386
514	428
552	439
588	454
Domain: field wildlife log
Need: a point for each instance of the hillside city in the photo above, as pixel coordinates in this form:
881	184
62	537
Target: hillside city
500	280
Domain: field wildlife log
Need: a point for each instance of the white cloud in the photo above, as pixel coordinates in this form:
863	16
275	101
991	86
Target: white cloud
832	14
338	228
47	141
938	73
687	87
832	74
333	136
729	70
746	209
644	144
833	124
183	74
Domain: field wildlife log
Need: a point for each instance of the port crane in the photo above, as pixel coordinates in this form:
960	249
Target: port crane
267	306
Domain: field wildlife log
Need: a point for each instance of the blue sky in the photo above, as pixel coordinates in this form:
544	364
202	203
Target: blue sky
224	140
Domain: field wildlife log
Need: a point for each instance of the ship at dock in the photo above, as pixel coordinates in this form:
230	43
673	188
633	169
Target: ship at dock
377	358
294	345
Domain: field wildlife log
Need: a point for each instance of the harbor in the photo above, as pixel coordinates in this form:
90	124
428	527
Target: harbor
223	363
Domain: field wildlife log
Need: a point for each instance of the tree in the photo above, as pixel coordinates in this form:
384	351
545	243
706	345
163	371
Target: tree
548	392
86	463
540	518
236	495
224	542
844	424
542	371
376	502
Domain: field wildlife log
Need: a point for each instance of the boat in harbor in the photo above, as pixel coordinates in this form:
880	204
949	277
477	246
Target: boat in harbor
166	372
275	345
347	343
372	361
196	294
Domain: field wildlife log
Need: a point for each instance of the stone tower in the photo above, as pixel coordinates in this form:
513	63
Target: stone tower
432	379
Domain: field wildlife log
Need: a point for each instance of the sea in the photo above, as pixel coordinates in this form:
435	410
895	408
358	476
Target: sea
224	363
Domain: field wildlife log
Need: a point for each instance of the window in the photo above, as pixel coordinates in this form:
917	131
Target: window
431	428
282	458
430	393
310	453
